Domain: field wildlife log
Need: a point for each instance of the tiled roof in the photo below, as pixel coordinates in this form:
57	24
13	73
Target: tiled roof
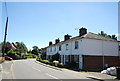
98	37
87	36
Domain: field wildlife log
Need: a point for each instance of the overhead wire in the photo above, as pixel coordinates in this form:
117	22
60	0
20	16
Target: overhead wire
6	26
6	9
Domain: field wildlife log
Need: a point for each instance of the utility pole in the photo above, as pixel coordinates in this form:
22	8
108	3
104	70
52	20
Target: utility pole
3	49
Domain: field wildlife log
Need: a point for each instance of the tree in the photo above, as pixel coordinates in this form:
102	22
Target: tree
14	54
6	47
35	47
35	50
105	35
29	51
114	37
102	33
21	47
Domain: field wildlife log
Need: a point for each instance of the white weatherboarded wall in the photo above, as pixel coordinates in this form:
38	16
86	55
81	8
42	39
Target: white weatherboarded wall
100	47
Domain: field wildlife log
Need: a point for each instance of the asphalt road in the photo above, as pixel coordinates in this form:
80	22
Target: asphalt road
29	69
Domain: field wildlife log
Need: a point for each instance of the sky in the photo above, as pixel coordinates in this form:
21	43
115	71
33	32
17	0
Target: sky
37	23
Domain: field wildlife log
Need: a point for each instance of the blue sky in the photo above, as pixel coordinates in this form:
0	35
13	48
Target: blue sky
37	23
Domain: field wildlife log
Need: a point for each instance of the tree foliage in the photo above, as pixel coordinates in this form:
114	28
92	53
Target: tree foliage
6	47
14	54
56	57
35	50
21	47
105	35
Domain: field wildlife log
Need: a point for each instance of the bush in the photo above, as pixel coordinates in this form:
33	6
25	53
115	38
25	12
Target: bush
37	58
30	55
2	59
60	65
56	57
45	61
13	54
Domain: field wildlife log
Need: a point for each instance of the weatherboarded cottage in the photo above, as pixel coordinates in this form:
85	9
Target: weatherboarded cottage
88	51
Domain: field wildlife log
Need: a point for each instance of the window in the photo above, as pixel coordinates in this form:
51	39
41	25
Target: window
76	45
50	49
60	48
66	46
54	48
119	47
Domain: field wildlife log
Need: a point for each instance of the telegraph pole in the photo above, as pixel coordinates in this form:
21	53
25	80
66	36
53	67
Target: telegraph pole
3	49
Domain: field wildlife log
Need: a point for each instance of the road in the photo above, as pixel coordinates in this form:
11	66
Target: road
29	69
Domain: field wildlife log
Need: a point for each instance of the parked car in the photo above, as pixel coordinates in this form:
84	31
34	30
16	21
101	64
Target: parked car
8	58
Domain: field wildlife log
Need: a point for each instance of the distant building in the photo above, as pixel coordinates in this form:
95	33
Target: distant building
88	50
43	53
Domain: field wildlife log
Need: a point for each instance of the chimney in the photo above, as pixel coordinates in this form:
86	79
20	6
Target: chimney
82	31
57	41
66	37
50	43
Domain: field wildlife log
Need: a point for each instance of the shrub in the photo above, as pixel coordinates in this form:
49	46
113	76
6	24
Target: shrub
56	57
2	59
61	65
37	58
72	64
45	61
30	55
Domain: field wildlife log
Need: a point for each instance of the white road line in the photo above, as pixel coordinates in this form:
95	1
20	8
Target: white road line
51	76
13	76
1	72
36	69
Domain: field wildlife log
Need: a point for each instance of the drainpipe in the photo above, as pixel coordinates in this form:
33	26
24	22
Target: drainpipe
71	52
103	55
118	54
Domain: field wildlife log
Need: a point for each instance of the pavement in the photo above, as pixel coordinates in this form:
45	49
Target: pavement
49	66
92	75
32	69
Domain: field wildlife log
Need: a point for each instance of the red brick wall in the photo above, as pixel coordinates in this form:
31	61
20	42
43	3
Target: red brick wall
96	62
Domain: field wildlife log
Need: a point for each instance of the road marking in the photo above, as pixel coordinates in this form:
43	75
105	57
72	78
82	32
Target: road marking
1	72
51	76
36	69
13	76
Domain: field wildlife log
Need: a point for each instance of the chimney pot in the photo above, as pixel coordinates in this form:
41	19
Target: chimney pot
82	31
66	37
50	43
57	41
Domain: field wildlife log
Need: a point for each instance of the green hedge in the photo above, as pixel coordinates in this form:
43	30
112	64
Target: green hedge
60	65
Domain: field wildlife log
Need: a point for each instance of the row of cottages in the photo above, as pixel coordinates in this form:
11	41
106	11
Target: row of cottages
88	50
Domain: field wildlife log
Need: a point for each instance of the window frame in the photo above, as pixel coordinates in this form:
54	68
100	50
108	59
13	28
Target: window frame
50	49
67	46
60	47
76	44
